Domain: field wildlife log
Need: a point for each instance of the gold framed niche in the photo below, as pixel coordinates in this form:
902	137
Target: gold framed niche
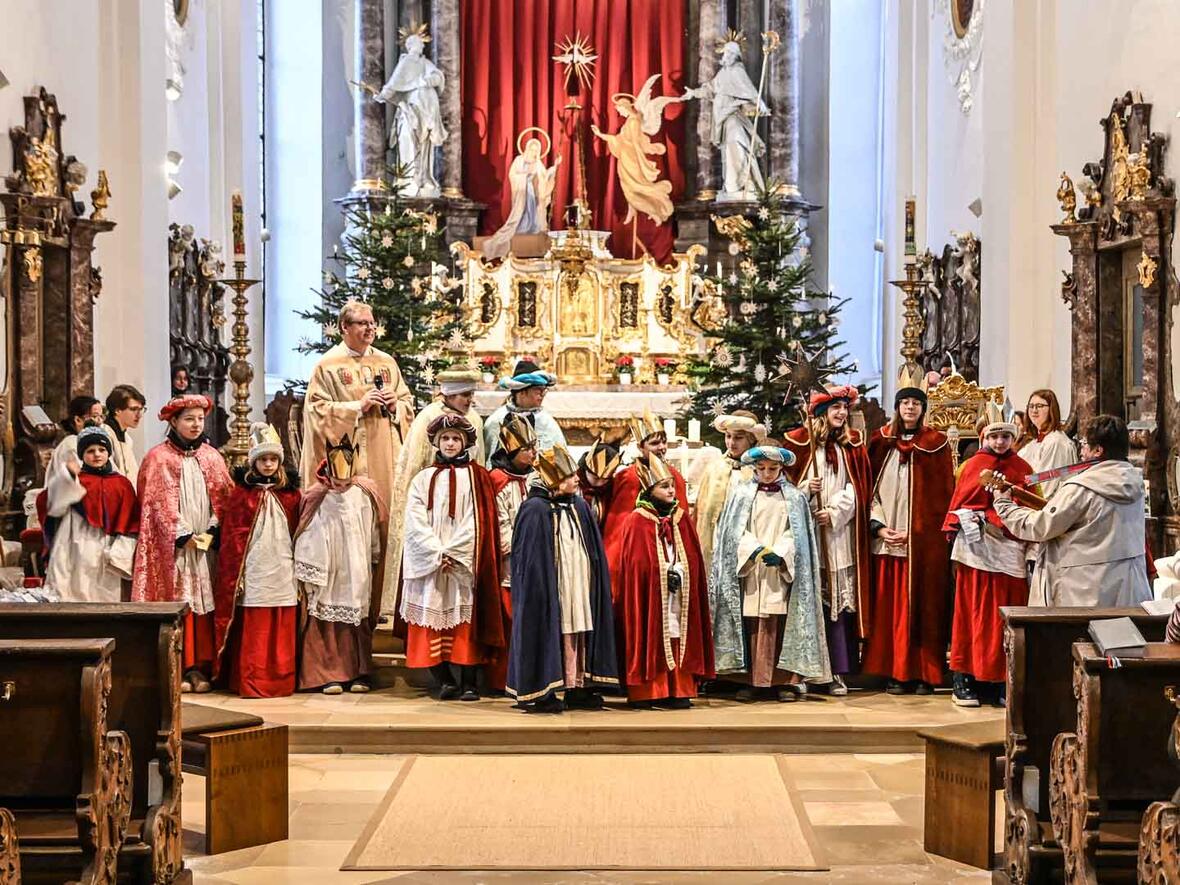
578	364
578	313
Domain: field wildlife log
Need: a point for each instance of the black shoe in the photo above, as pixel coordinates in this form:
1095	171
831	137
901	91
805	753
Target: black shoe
745	694
674	703
786	694
894	687
1000	698
964	693
448	692
469	694
640	705
923	688
551	703
583	699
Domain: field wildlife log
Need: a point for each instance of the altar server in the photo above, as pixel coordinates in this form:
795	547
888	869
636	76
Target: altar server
256	588
526	396
93	520
339	562
913	482
1047	446
768	621
511	470
743	431
450	595
562	626
183	487
596	472
832	466
456	388
663	596
990	570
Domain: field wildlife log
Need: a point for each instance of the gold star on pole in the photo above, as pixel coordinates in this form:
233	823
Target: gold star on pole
802	374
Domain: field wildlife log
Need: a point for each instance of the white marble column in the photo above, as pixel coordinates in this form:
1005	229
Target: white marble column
370	115
445	28
711	31
783	89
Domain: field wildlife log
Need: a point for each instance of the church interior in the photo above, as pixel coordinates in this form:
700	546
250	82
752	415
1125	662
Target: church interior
437	435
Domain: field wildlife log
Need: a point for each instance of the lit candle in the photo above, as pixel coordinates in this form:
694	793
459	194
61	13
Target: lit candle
718	267
239	226
670	428
911	239
694	430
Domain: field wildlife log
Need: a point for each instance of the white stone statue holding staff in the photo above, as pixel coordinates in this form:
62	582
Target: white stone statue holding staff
414	89
737	104
532	190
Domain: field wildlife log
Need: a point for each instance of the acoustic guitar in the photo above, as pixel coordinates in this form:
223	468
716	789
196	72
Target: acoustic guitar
997	482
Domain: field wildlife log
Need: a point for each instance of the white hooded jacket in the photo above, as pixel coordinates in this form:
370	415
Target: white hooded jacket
1093	539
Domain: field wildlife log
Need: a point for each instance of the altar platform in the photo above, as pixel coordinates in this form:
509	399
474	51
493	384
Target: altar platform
402	718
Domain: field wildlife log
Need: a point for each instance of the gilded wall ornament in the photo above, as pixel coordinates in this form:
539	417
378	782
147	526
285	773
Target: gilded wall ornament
1067	196
1147	267
962	45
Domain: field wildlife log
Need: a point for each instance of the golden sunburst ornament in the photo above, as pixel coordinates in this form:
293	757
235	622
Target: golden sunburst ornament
731	36
419	31
579	57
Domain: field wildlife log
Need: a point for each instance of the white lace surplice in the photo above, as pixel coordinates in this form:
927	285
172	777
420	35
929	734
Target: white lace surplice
193	582
839	556
334	557
430	597
268	575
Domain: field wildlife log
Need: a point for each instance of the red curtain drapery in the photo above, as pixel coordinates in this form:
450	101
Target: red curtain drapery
510	82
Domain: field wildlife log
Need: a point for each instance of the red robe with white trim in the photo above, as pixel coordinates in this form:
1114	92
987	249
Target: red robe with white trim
623	495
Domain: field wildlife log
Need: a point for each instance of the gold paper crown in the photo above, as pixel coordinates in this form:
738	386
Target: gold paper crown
555	466
652	473
264	434
993	415
601	461
516	433
340	457
645	426
915	379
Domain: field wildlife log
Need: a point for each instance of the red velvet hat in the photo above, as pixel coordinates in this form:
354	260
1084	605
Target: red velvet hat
178	404
819	402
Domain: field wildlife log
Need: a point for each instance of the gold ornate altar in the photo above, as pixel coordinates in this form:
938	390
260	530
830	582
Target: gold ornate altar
955	406
577	311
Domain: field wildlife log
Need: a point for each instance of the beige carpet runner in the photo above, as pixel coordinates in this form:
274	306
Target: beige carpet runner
588	812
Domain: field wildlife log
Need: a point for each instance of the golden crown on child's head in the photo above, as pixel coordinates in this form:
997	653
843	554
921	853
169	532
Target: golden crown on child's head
652	473
555	465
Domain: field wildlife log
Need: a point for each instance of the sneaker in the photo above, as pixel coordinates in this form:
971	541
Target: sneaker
332	688
360	686
923	688
200	684
894	687
964	693
838	689
185	686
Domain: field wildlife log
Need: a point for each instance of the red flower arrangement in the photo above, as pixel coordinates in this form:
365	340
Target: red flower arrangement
489	363
625	363
665	364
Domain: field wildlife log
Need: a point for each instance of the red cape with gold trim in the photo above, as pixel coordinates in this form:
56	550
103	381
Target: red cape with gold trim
856	457
932	482
624	491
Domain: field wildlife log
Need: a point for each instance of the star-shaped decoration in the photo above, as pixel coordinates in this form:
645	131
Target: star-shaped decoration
457	341
772	285
329	330
387	241
428	374
801	373
733	279
748	308
722	356
362	273
578	56
764	213
408	261
380	330
387	283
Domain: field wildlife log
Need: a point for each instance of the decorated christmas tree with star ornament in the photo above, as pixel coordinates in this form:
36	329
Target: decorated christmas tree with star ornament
391	257
778	335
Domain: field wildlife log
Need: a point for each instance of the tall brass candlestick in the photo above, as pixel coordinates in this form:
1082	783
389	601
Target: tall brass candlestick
241	373
914	325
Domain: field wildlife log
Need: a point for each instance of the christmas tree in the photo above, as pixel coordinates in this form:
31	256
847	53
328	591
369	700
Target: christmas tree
391	259
771	321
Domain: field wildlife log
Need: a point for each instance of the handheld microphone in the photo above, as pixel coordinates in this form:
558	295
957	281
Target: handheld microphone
379	383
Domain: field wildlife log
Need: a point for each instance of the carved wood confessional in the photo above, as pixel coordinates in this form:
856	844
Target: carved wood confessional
196	315
49	286
1121	290
950	306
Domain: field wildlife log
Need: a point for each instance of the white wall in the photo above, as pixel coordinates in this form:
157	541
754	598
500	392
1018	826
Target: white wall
105	61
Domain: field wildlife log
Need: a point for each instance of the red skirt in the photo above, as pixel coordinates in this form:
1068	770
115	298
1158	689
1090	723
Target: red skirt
977	635
200	646
892	649
668	684
263	663
426	647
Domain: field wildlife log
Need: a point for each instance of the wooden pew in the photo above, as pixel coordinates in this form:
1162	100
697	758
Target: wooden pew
1159	834
9	849
1104	775
65	777
1041	705
144	702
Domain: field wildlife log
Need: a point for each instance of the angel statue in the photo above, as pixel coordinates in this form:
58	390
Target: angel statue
414	90
639	176
736	105
532	189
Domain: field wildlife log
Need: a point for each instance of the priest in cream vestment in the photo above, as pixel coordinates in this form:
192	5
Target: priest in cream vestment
344	398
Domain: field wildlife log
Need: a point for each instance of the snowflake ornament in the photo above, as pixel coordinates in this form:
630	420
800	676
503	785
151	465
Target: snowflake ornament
387	242
764	213
733	279
772	285
329	330
748	308
797	321
408	261
722	357
717	409
457	341
428	374
362	273
387	283
760	373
